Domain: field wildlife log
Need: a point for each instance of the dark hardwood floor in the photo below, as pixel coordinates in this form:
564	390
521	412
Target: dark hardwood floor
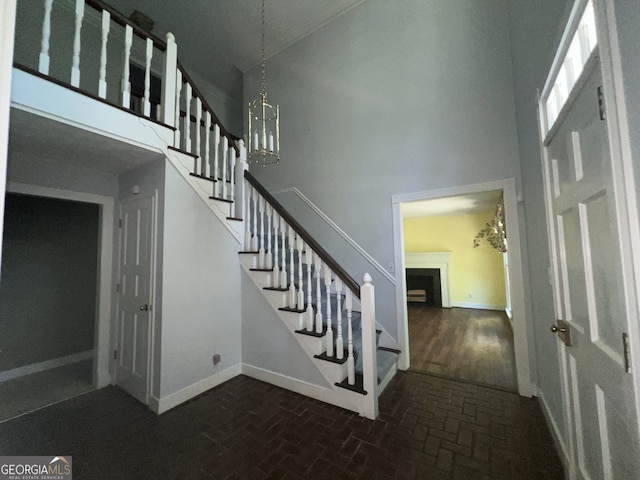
465	344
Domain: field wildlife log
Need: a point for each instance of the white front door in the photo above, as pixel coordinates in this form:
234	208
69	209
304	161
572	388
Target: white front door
135	300
590	292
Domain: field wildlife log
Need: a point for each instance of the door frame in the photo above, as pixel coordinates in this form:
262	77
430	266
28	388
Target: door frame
522	328
102	337
610	64
152	290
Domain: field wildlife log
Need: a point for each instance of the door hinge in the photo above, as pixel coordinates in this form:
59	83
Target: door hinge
601	105
117	288
627	352
115	354
119	223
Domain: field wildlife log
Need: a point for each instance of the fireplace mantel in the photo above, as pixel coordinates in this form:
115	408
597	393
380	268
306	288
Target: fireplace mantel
439	260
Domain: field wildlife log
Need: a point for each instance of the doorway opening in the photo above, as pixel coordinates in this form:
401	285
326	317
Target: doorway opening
484	287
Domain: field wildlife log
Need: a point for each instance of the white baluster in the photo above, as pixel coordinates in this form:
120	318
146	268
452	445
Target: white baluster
300	245
339	340
198	139
292	266
240	166
261	214
318	265
216	156
283	263
176	137
230	175
169	84
329	336
43	64
225	155
75	63
102	82
147	79
247	218
187	119
351	364
269	260
254	239
309	262
275	279
126	82
206	167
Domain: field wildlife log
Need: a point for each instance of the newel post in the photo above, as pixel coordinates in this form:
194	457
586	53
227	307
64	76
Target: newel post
369	361
169	82
239	199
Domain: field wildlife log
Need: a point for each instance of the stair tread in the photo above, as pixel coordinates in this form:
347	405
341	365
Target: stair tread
276	289
235	219
261	269
226	200
312	333
358	387
292	309
333	358
203	177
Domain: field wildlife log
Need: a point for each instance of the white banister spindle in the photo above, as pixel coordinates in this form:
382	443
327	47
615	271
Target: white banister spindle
170	82
225	156
206	167
247	218
102	81
198	158
232	178
216	160
261	250
187	118
369	361
75	62
43	63
126	81
275	278
339	339
283	263
269	252
254	238
177	138
351	364
241	166
146	101
292	265
300	300
329	335
309	262
318	265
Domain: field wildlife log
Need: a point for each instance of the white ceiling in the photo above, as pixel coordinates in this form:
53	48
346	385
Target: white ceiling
216	36
37	136
458	205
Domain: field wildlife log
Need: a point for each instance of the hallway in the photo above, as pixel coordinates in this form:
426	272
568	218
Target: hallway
465	344
428	428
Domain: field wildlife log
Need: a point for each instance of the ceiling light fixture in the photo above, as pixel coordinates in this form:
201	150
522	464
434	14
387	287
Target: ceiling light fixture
264	122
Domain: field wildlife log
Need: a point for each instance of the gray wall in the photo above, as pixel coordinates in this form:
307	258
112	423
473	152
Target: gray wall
390	99
201	297
49	274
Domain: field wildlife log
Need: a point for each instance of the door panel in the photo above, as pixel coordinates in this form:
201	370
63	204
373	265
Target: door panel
134	333
587	273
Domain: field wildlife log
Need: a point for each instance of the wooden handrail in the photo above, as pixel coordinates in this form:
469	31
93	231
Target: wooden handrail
205	104
306	236
119	18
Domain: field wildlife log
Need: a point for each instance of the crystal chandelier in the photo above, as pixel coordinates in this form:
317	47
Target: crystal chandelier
264	123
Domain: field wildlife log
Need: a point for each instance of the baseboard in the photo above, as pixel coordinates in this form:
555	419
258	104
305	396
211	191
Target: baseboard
46	365
555	434
161	405
478	306
344	399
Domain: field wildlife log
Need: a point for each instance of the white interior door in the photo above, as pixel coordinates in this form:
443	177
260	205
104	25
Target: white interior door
136	294
589	287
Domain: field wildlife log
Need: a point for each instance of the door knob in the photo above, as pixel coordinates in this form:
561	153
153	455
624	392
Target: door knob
144	308
555	329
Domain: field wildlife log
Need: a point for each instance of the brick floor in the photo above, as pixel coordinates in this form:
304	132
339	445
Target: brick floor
428	428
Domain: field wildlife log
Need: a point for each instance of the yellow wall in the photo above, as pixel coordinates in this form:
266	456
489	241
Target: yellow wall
476	274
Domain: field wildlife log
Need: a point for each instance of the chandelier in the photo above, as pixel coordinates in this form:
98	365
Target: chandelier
264	123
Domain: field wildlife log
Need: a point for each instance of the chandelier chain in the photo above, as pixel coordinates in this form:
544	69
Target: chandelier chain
264	75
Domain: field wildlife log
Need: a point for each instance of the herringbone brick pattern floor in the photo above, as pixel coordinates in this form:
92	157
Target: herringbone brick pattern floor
429	428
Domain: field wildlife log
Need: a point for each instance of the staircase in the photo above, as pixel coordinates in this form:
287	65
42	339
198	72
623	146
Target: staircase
328	313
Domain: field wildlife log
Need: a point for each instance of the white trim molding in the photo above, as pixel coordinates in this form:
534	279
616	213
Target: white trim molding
439	260
374	263
45	365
